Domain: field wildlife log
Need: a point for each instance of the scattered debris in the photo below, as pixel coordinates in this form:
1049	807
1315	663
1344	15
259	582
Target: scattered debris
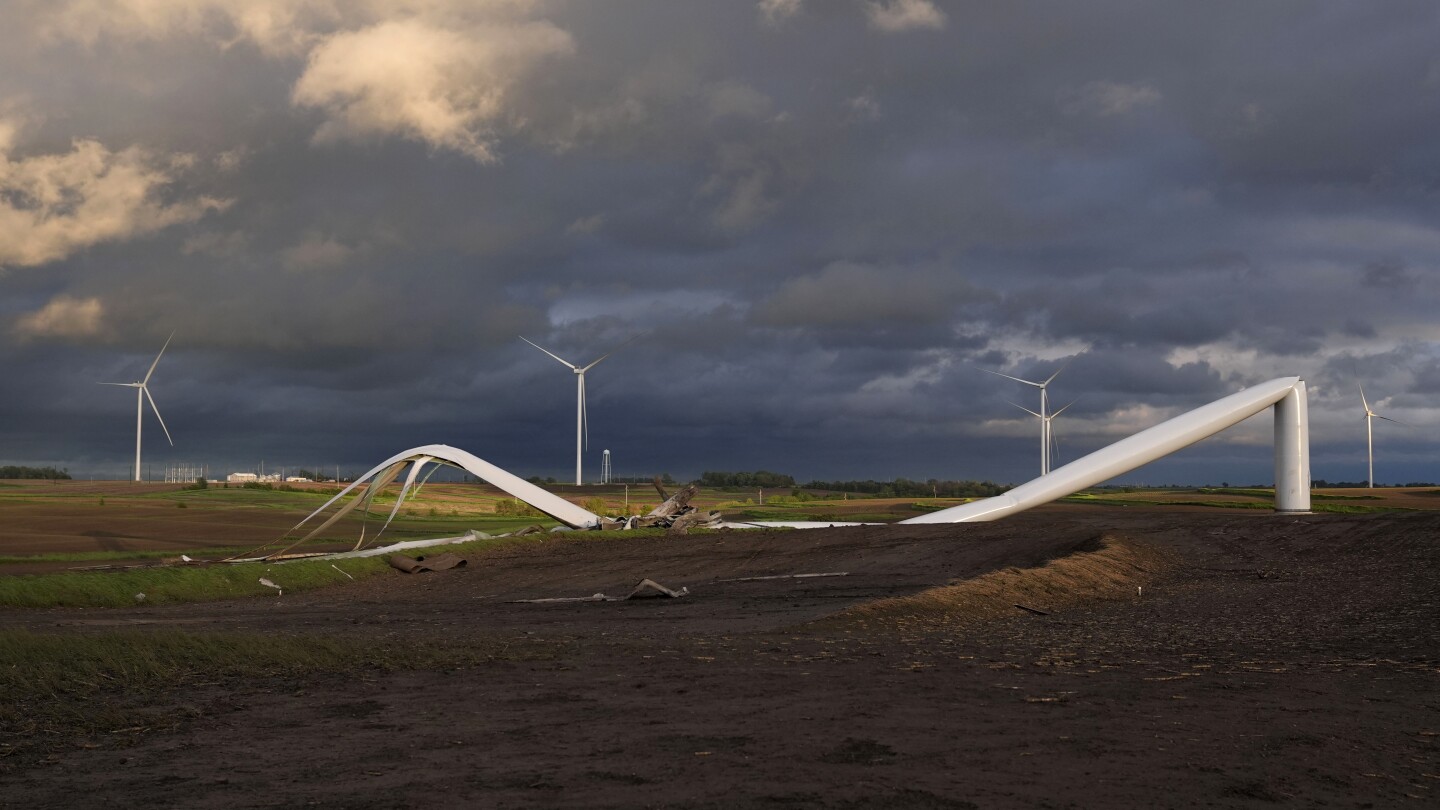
267	583
599	597
674	513
644	589
788	576
341	570
650	589
419	565
1032	610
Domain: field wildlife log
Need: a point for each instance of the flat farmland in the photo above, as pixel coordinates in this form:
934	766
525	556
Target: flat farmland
1073	656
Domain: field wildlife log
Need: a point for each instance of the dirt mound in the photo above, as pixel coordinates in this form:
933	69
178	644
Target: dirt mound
1106	567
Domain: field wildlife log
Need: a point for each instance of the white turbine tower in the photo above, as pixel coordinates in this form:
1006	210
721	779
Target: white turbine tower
1370	416
582	425
142	393
1044	413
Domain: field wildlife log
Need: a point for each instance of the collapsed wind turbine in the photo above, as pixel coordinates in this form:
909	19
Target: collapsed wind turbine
582	424
1370	416
1044	413
142	393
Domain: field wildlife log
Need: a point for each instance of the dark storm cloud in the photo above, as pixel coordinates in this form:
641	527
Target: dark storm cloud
826	217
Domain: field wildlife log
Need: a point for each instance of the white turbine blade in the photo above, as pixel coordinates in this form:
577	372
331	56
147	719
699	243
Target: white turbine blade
1062	410
1027	410
1008	377
157	359
1057	371
547	351
1364	401
1388	419
415	467
584	411
122	385
597	360
157	415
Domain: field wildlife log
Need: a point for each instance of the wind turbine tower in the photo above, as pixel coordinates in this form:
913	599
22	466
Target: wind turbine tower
1044	414
582	431
142	393
1370	416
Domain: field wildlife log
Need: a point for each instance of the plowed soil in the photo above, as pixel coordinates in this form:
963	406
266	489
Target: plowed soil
1165	660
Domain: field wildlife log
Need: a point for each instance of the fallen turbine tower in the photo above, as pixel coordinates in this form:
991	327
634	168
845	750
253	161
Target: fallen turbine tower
1292	454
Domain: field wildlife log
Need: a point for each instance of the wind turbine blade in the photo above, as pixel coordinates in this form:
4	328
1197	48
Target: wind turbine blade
547	351
1008	377
122	385
1058	370
597	360
1363	401
1388	419
157	359
1027	410
1062	410
584	411
157	415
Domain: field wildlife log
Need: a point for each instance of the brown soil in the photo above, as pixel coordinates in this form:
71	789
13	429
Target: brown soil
1268	661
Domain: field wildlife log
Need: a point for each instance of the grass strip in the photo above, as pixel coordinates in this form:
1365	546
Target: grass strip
204	583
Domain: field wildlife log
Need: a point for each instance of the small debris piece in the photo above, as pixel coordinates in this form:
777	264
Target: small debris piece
1032	610
650	589
599	597
788	576
341	570
139	597
267	583
419	565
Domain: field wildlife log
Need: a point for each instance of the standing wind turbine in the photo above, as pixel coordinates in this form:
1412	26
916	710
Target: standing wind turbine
142	393
1371	415
1049	429
582	424
1044	411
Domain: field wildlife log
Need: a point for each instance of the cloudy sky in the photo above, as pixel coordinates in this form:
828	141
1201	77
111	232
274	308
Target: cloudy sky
827	217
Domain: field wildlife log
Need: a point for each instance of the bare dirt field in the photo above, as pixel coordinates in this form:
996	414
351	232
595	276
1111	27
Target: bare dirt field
1268	661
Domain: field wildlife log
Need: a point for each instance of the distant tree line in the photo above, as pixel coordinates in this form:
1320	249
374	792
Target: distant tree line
747	480
906	488
48	473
